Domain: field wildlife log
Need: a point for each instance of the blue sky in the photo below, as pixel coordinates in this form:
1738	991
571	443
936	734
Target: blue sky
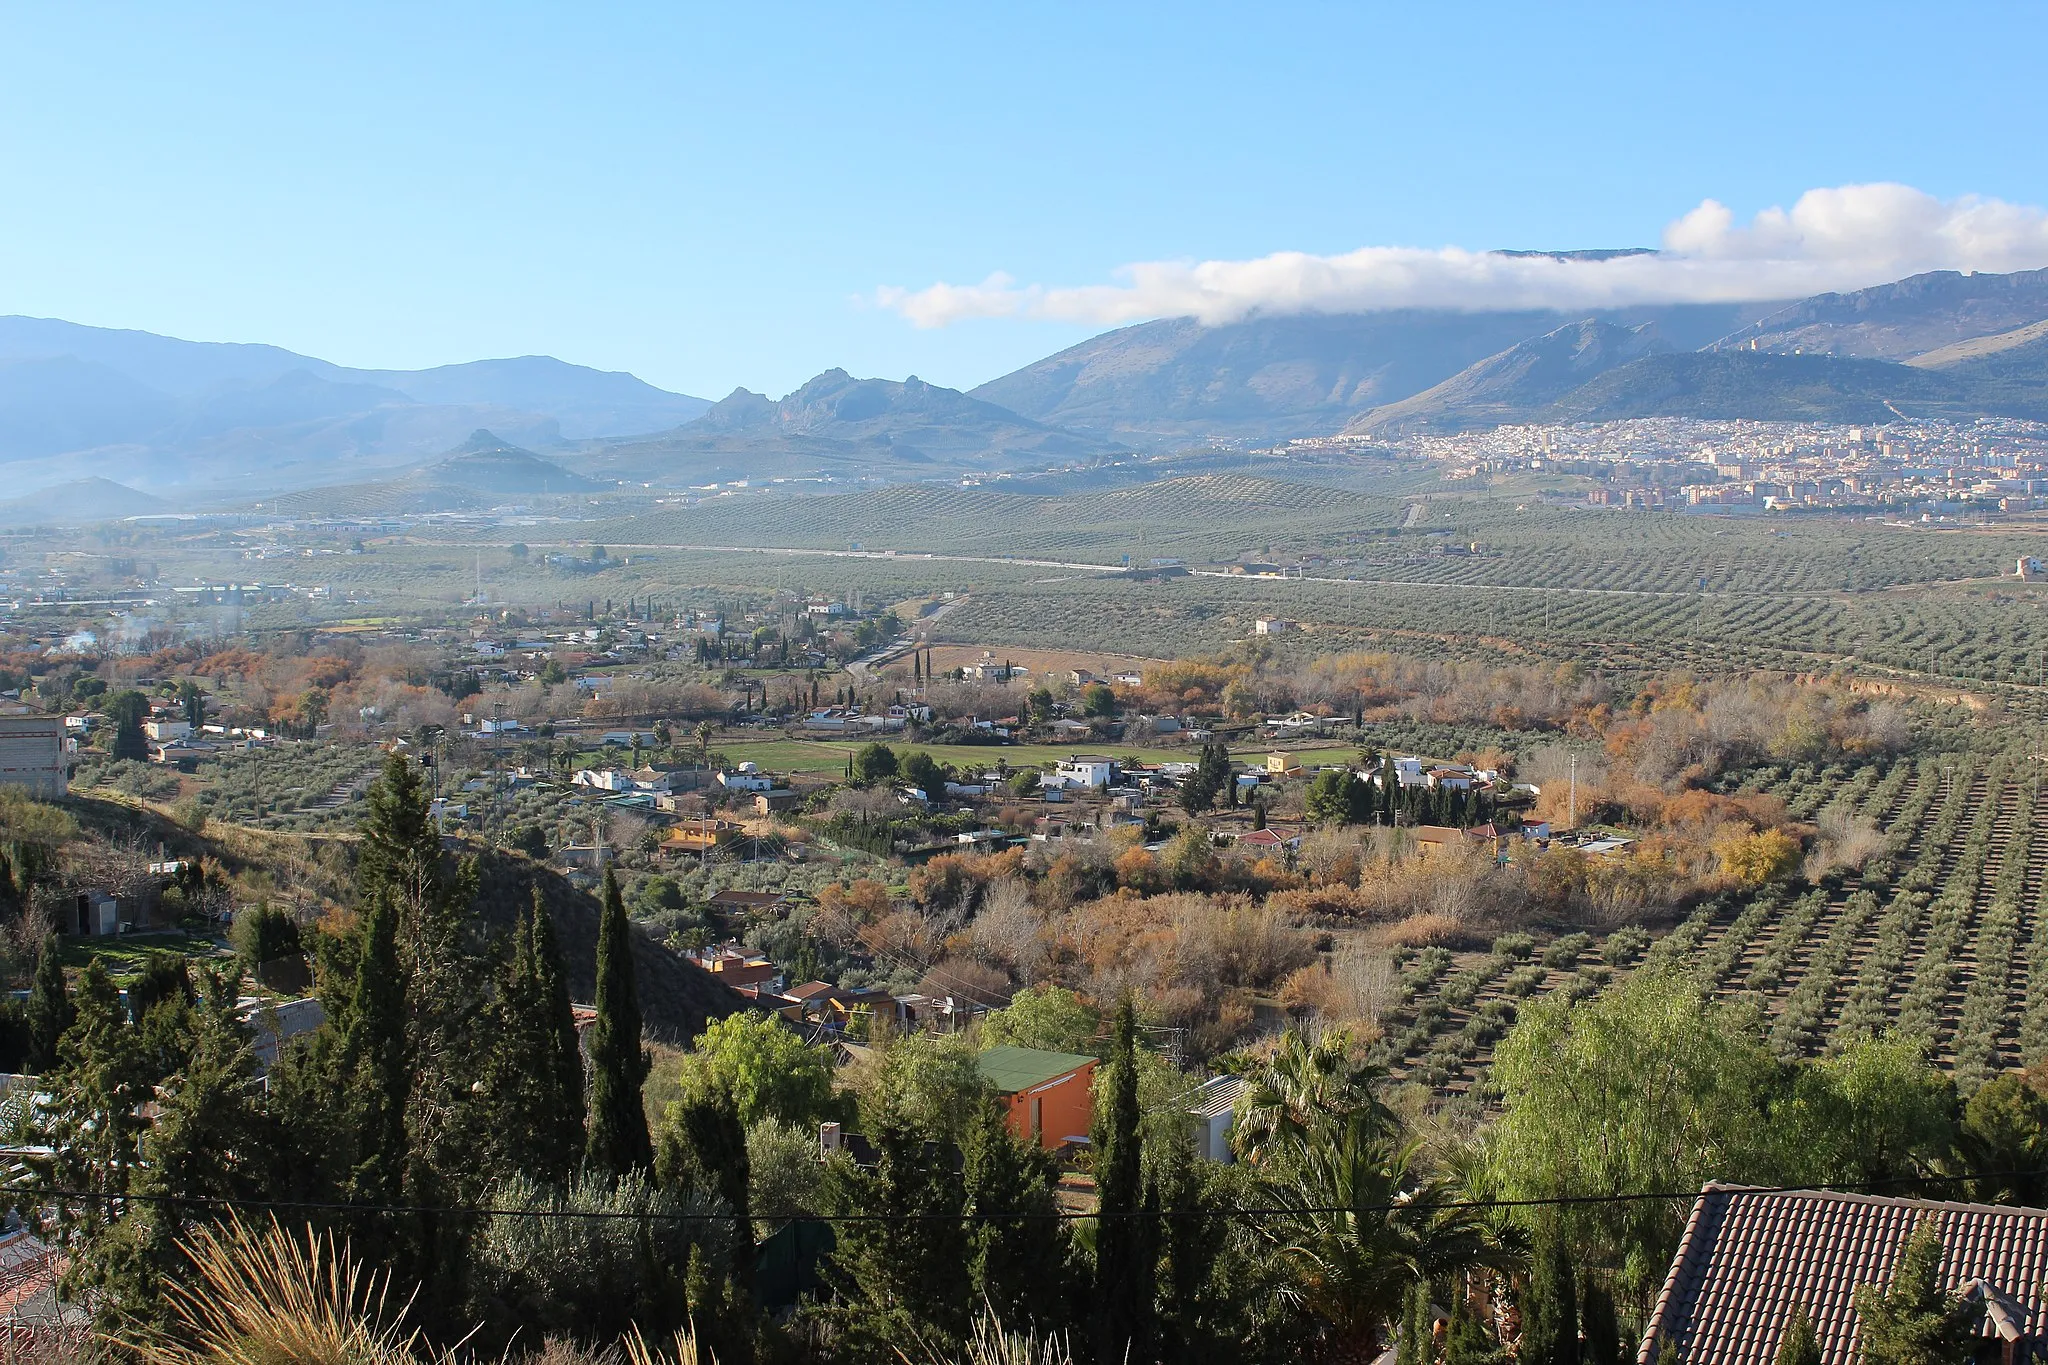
711	197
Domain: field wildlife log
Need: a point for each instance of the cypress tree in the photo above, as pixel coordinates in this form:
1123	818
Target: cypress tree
903	1277
1124	1267
704	1147
1018	1267
50	1011
1597	1321
373	1061
128	710
1414	1346
1190	1327
1467	1340
618	1141
1550	1318
565	1051
537	1123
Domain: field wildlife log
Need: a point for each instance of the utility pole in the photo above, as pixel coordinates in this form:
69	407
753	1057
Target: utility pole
1572	818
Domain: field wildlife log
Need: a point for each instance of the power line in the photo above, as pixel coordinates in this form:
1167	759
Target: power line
1306	1210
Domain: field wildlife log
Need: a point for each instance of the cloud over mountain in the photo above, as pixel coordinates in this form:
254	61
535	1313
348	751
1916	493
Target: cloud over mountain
1843	238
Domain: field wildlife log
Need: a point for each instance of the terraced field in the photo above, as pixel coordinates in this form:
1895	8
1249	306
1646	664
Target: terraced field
1943	939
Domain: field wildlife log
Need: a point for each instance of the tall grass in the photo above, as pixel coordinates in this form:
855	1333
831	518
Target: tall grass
267	1296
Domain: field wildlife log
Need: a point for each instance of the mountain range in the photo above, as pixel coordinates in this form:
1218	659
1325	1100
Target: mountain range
212	424
164	413
838	425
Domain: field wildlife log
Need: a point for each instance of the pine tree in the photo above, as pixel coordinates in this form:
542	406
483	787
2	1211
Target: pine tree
1800	1345
902	1277
50	1011
1018	1266
1910	1321
618	1140
401	848
1550	1318
1124	1267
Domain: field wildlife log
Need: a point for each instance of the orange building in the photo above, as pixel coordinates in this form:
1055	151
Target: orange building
1046	1096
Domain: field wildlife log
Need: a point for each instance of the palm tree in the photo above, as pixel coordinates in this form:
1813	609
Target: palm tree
1310	1080
1362	1223
703	733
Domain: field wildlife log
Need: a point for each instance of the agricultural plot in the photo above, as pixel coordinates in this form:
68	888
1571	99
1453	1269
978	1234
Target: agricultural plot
1964	636
1943	939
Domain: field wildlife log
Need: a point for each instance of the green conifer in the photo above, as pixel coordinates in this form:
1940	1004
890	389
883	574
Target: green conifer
1800	1344
1124	1265
50	1011
618	1140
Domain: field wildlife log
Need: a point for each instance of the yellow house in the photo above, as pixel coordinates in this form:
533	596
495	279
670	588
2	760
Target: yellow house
698	836
1279	765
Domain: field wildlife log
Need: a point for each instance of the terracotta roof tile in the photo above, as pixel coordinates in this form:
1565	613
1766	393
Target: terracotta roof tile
1748	1256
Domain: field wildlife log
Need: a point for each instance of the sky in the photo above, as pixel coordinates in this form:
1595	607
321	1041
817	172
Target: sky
745	195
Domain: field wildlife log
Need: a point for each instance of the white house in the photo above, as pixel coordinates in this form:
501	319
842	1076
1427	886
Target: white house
746	778
1087	770
1214	1106
164	730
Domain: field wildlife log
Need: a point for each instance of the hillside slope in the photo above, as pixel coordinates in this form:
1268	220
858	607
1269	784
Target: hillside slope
1906	318
1508	386
1763	386
1164	383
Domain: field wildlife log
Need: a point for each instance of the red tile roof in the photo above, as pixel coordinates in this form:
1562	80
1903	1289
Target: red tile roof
1749	1255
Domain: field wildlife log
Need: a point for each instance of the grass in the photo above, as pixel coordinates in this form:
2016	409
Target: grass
129	954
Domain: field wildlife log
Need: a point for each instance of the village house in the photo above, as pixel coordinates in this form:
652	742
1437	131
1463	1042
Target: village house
1046	1096
1086	770
693	838
746	778
1749	1256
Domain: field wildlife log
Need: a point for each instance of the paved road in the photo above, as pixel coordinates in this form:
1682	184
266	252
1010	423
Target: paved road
896	650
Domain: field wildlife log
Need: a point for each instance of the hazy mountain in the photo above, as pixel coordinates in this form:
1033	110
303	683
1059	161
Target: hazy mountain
1508	386
1764	386
52	404
839	425
487	464
584	402
184	411
1166	382
80	502
1903	319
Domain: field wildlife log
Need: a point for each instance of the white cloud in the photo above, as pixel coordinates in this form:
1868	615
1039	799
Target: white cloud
1848	237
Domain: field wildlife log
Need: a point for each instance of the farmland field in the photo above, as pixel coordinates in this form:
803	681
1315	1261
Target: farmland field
1942	939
